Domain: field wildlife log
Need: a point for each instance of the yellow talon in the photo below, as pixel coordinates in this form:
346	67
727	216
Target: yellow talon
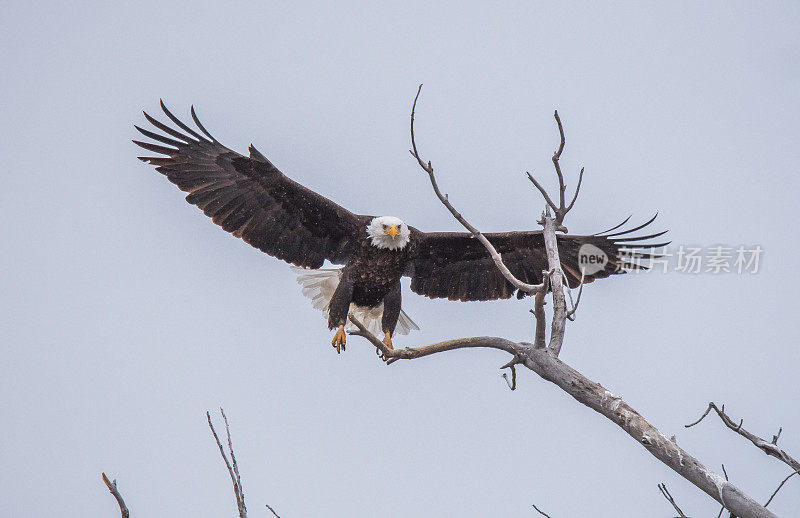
387	341
339	339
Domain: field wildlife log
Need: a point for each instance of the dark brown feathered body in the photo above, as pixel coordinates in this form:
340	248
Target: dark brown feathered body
375	271
370	277
250	198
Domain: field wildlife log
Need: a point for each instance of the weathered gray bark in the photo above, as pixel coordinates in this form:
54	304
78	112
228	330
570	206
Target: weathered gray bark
543	362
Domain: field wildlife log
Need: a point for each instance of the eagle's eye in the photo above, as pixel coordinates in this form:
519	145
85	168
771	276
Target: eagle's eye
384	227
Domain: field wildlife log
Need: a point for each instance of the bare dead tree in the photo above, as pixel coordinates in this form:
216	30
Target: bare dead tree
544	361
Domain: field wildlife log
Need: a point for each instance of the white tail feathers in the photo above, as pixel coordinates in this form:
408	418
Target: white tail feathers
319	285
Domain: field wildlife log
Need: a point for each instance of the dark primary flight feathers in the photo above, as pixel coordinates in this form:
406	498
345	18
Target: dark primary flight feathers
250	198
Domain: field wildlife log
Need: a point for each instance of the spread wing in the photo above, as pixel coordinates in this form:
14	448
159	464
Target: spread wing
250	198
455	266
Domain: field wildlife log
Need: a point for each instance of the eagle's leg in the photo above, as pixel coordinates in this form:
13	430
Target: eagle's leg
391	312
387	340
339	339
337	314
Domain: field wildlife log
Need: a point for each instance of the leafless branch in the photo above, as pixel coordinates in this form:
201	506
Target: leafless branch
543	361
233	457
561	209
540	511
409	353
233	469
780	486
770	448
498	261
543	191
112	486
577	190
272	511
384	352
551	225
665	492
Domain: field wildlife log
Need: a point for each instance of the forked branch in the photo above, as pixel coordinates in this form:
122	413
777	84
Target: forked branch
769	447
561	209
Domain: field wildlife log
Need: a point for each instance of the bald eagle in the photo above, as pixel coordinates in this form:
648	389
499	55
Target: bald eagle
250	198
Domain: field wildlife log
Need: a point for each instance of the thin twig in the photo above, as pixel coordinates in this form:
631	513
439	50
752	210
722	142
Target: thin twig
272	511
233	470
577	190
233	457
498	261
513	383
770	448
665	492
112	486
722	508
780	486
571	313
778	436
556	157
540	511
543	191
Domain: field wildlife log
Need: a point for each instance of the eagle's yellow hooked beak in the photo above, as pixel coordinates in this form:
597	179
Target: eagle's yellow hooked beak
391	231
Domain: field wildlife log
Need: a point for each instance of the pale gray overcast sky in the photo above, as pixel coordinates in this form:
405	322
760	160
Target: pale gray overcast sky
126	314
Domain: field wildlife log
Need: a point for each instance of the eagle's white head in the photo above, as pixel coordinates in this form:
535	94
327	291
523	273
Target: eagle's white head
388	232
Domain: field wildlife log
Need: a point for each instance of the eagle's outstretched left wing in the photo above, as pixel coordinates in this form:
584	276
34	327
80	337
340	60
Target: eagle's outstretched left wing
251	198
455	266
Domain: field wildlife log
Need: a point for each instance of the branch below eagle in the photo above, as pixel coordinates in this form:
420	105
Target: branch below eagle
250	198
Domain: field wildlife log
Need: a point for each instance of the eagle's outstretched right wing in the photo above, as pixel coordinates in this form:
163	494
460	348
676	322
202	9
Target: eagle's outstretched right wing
455	266
251	198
